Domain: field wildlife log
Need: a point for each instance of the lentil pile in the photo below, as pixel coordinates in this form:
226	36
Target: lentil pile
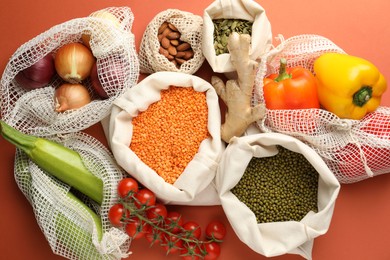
283	187
167	135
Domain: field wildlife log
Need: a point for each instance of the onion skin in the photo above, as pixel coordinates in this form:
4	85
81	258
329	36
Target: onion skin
71	96
97	86
37	75
73	62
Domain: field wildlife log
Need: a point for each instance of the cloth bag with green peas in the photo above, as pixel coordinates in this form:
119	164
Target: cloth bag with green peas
267	206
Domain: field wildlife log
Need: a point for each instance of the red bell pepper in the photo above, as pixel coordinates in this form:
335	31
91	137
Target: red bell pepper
376	128
292	88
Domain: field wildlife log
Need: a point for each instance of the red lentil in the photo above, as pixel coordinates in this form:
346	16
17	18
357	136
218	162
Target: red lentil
167	135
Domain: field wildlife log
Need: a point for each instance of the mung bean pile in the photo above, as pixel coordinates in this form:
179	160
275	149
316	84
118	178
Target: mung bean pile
283	187
168	134
224	27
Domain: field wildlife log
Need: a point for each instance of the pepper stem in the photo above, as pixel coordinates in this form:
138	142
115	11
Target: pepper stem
362	96
282	71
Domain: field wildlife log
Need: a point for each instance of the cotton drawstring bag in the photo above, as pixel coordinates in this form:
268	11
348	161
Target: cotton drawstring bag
33	111
274	238
70	229
354	150
190	27
195	184
261	37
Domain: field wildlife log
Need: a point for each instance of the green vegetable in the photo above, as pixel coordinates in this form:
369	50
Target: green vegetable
58	160
283	187
82	240
69	234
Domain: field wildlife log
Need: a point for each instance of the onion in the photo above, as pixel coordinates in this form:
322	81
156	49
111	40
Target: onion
111	72
73	62
37	75
71	96
97	86
114	21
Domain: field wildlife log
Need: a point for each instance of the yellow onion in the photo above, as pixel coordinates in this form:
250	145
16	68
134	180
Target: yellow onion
99	28
73	62
37	75
71	96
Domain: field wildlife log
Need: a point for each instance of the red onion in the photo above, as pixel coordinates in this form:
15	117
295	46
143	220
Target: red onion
97	86
37	75
113	74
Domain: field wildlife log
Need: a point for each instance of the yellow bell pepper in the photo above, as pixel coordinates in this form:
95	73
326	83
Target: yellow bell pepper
348	86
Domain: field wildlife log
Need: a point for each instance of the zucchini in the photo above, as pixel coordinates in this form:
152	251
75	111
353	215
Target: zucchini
59	161
76	240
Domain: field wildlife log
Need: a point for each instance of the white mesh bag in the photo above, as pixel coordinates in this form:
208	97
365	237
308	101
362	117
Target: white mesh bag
261	38
195	185
274	238
113	46
68	227
190	27
353	149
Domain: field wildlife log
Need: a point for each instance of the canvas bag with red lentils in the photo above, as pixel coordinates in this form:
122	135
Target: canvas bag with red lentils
166	139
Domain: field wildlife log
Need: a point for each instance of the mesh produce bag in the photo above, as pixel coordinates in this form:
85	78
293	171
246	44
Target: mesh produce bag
195	185
68	227
261	36
190	28
33	111
353	149
273	238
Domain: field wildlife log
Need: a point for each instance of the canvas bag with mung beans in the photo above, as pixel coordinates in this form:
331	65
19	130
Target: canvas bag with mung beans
165	132
277	193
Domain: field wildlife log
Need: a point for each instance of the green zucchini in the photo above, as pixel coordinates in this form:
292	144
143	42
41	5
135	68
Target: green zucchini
71	236
61	162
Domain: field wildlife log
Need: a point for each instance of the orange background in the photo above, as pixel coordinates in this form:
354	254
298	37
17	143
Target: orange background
360	225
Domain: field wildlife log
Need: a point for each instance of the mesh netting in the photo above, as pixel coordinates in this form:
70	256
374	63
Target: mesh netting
33	111
190	27
68	227
353	149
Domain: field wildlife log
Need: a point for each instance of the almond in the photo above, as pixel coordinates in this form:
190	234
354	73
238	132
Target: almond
165	43
172	50
173	35
184	46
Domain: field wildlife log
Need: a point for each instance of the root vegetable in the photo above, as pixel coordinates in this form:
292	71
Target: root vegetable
237	94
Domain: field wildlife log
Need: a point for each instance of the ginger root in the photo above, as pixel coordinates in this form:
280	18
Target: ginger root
237	94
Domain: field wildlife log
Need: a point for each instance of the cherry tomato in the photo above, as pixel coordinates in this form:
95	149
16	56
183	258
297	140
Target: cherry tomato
135	228
174	221
215	230
157	213
213	250
172	244
116	214
190	252
193	229
145	197
127	187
